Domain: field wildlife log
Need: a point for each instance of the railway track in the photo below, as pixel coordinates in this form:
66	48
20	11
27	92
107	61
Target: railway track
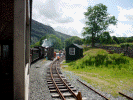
59	87
128	97
93	90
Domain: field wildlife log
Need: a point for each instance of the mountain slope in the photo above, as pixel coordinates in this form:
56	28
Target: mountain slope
39	30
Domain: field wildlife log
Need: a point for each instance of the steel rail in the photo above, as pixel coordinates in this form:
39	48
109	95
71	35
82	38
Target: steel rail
66	84
93	90
128	97
58	90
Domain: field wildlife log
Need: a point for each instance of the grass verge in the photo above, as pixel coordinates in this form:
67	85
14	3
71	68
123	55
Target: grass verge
108	72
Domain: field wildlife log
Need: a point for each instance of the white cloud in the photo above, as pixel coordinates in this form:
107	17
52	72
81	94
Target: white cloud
63	15
124	14
121	30
124	27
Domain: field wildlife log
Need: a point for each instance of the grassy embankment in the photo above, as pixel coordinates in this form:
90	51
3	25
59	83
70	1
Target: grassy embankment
120	45
109	72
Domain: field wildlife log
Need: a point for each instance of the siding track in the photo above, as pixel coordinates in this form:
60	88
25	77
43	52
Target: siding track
128	97
93	90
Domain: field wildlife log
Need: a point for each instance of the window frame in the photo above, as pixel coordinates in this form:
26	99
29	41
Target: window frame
72	51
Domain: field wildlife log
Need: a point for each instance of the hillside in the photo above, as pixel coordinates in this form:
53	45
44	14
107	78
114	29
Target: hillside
38	30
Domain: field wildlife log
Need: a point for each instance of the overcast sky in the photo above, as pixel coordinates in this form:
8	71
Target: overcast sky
67	16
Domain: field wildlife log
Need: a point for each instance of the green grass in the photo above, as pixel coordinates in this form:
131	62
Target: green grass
110	72
120	45
114	45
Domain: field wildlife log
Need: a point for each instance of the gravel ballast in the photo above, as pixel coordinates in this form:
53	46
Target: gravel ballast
39	89
38	84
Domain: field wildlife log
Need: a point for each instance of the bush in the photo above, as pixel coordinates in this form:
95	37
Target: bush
110	51
108	61
119	59
126	45
101	58
86	49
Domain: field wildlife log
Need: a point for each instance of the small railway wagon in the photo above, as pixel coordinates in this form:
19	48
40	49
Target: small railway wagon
50	53
73	52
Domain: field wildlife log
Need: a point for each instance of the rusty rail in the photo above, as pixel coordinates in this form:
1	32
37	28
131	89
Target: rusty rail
78	97
66	85
93	90
128	97
58	90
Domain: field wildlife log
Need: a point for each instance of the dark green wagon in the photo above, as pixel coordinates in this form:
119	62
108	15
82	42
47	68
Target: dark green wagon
73	52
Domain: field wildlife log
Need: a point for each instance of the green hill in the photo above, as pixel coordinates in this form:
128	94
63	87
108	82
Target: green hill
39	30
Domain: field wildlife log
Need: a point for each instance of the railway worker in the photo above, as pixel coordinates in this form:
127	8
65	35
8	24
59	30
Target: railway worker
58	58
54	54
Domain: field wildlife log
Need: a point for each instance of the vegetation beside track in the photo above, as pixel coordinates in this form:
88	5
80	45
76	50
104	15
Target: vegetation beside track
108	72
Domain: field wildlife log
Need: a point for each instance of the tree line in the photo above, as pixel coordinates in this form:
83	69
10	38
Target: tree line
57	43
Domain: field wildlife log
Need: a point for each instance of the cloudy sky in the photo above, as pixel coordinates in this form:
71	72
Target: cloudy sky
67	16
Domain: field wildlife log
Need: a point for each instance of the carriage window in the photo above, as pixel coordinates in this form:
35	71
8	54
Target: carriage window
5	51
72	51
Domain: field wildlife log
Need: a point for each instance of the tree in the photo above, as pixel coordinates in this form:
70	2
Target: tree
87	40
98	21
55	42
116	39
129	39
105	38
73	39
36	44
41	40
121	39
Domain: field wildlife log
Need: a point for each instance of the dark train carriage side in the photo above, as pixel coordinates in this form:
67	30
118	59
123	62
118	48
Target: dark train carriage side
41	51
73	52
35	54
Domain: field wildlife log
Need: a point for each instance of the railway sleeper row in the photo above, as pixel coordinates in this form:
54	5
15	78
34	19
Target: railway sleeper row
56	79
62	88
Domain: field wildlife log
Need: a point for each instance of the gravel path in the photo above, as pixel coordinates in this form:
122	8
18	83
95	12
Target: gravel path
38	83
39	89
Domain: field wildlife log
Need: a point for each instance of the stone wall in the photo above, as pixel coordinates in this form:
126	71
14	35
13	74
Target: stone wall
119	50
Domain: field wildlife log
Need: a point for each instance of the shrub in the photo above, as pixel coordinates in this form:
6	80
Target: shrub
126	45
99	59
108	61
110	51
118	59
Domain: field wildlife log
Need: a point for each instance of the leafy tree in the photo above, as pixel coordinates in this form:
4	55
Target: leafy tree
98	21
121	39
129	39
41	40
105	38
36	44
73	39
115	39
55	41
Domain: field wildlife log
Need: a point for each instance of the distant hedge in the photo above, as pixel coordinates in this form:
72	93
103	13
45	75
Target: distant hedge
125	45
